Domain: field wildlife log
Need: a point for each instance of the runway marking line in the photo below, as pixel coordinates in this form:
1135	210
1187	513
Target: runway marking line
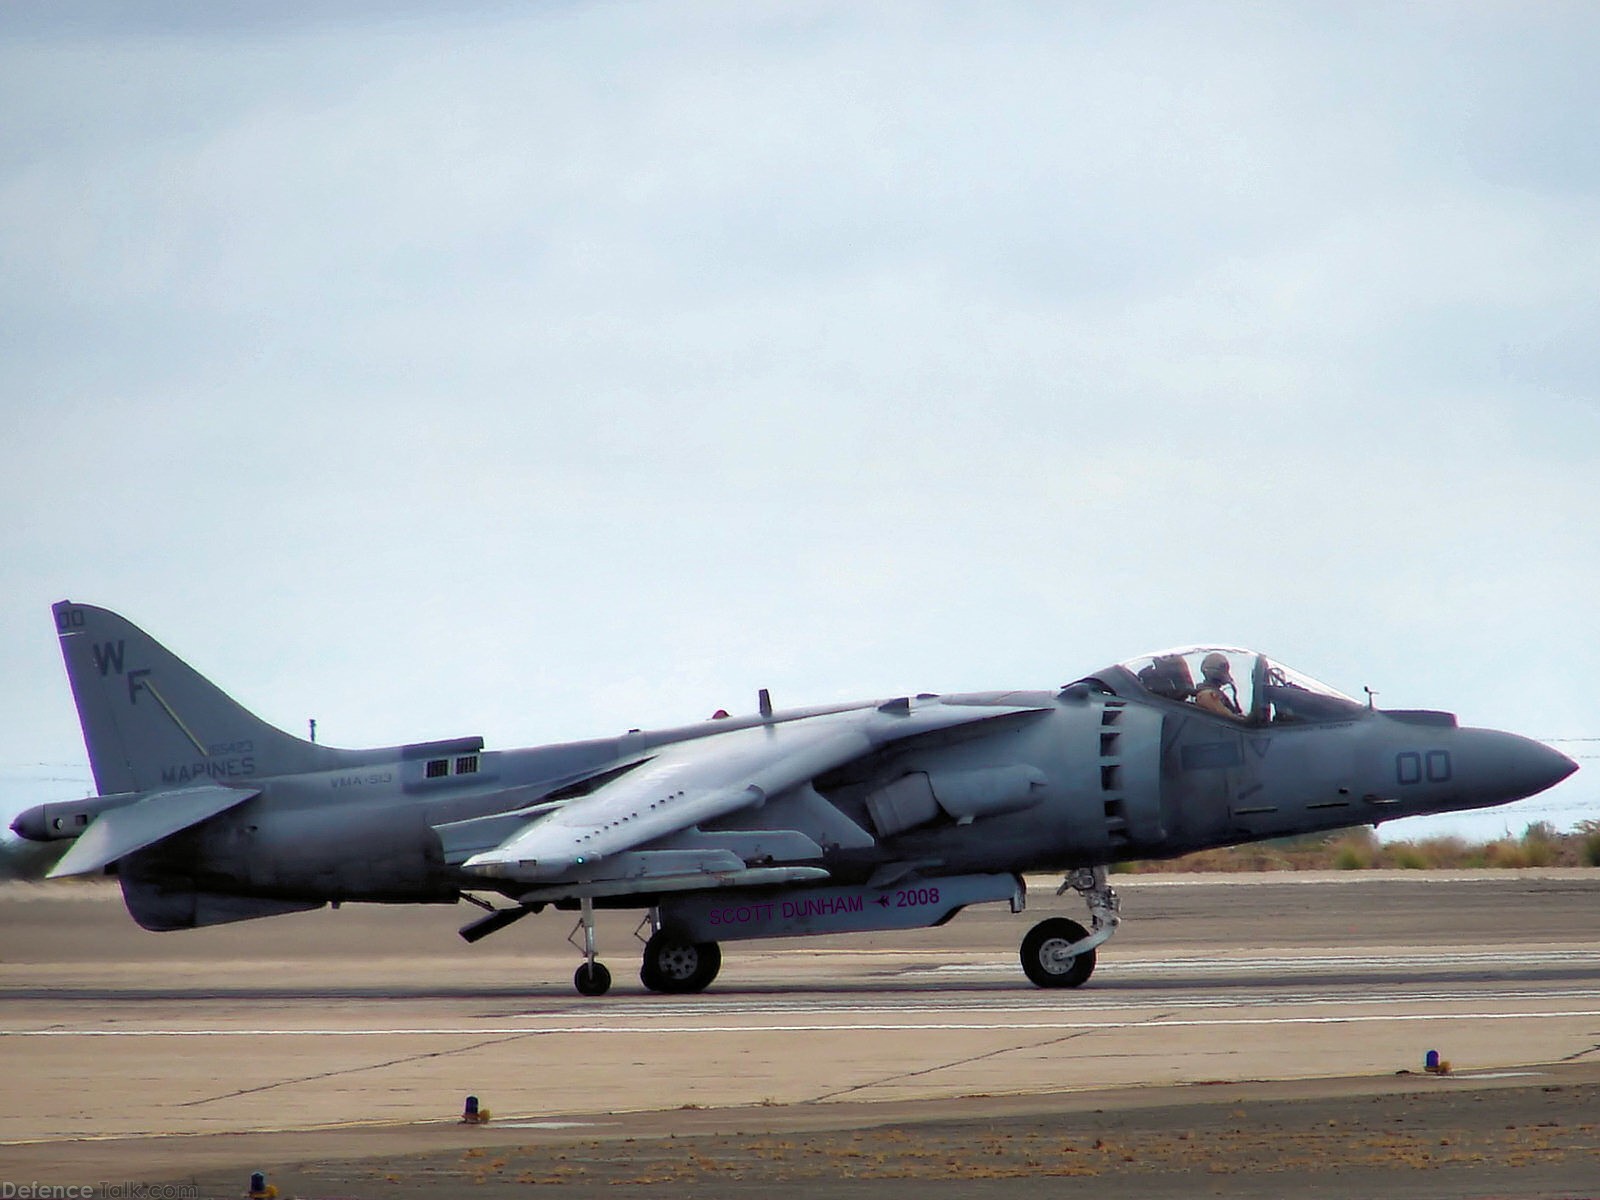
871	1027
731	1007
1310	962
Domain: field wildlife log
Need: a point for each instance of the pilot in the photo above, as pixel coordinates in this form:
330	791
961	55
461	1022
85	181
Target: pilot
1216	693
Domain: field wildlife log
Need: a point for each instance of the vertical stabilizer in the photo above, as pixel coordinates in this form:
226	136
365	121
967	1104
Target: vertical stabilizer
151	722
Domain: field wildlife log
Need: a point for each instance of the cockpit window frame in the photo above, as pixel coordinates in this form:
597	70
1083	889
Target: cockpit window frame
1278	696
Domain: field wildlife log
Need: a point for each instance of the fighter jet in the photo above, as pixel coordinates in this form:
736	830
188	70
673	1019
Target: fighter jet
893	813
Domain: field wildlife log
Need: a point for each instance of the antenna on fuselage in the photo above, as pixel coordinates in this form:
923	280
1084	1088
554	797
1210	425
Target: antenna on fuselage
313	730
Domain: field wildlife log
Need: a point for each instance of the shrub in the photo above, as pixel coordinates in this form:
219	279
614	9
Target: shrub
1348	858
1408	857
1588	834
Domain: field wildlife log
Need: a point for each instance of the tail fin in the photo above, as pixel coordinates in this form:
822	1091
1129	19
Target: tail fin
150	721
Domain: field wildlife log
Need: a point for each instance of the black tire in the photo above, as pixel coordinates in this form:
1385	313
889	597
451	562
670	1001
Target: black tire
1041	960
648	976
674	965
592	981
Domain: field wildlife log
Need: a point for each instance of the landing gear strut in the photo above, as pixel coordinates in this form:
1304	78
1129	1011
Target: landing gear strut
1059	952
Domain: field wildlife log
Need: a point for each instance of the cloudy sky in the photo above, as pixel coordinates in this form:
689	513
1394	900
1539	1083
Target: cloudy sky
545	370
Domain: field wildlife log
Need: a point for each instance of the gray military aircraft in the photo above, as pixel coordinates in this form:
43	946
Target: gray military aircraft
887	814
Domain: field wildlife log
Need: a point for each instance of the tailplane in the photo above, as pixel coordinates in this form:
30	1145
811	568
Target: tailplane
153	723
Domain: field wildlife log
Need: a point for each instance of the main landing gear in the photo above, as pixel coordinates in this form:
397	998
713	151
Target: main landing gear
670	963
1059	952
673	965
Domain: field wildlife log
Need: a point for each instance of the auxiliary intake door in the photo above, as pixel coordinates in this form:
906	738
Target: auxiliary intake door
1128	758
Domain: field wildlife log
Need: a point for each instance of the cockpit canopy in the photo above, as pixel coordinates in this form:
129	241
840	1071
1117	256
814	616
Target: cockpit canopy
1265	692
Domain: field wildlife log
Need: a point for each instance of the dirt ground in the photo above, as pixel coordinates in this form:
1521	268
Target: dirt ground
1438	1140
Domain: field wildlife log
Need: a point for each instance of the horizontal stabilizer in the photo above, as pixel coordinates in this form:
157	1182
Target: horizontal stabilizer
120	831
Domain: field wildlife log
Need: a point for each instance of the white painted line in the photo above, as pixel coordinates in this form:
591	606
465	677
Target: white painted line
1220	966
1077	1007
1012	1026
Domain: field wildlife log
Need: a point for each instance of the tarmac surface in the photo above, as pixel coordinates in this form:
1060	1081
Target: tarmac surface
1242	1036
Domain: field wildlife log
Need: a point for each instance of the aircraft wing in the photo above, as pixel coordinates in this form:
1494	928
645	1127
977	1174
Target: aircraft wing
120	831
607	835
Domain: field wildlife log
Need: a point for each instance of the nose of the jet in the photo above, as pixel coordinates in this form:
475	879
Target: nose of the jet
1509	767
1551	765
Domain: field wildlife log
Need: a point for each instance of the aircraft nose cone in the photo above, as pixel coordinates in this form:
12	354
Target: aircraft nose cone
1513	767
30	825
1551	766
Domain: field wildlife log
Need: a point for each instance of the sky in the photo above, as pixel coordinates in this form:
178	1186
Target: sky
545	370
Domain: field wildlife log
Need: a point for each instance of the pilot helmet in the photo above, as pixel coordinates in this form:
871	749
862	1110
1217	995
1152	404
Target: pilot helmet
1215	667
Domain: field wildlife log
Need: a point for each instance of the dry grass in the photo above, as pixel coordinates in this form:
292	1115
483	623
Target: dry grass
1360	849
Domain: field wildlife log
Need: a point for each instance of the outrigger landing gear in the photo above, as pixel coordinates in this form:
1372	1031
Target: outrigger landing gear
592	978
1061	953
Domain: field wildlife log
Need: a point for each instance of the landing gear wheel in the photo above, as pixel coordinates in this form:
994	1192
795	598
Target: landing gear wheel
592	979
673	965
648	977
1042	958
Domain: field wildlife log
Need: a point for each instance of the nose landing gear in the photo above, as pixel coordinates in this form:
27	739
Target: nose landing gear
1061	953
1048	957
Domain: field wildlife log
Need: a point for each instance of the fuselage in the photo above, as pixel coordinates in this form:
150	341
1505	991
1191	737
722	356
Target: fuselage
1108	777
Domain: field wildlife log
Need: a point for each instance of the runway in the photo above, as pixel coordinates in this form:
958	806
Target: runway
359	1032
